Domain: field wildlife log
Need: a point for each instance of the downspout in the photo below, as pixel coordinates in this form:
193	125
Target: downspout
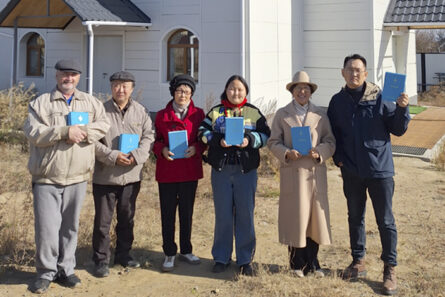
243	39
90	58
14	69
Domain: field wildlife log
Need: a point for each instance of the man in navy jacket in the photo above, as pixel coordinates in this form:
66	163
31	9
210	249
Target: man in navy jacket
362	123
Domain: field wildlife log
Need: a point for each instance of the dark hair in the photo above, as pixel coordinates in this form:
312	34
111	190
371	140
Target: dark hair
232	78
354	57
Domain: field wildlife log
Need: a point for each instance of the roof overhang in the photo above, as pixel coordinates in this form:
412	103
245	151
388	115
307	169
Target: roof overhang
36	14
58	14
419	25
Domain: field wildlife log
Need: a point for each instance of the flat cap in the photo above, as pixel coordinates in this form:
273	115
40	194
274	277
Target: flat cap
68	66
122	75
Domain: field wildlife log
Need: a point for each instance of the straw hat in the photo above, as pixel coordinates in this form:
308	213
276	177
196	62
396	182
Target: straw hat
301	77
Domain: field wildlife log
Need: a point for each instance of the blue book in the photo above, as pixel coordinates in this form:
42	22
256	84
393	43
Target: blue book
301	139
234	133
178	143
128	142
394	86
77	118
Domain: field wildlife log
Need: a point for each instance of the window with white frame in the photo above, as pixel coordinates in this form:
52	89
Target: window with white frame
35	55
182	54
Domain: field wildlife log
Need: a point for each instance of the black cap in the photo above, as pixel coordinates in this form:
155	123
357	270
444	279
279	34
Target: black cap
123	75
68	66
182	79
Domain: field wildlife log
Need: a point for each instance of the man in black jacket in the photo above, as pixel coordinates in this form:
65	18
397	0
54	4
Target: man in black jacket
362	123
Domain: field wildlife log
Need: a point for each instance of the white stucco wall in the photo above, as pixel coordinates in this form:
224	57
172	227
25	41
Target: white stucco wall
6	37
275	48
217	25
333	30
394	51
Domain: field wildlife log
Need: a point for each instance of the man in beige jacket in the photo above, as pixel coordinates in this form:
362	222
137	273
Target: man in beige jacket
118	173
61	161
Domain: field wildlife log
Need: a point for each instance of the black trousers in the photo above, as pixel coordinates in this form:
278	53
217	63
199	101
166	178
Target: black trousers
106	197
172	195
304	258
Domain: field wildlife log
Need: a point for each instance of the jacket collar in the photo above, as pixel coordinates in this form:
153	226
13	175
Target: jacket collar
57	95
171	111
129	104
292	119
372	92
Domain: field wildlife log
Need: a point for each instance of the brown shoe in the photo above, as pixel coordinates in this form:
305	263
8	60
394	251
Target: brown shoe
389	280
355	270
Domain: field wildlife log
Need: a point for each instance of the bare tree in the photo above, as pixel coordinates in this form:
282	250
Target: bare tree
426	41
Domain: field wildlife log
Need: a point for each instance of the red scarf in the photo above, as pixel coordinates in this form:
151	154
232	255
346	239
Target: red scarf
228	105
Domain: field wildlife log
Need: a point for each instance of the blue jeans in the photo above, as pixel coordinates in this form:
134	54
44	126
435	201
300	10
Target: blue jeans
234	200
380	191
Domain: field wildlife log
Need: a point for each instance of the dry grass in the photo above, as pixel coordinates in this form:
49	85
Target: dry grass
418	206
435	96
13	112
439	160
421	239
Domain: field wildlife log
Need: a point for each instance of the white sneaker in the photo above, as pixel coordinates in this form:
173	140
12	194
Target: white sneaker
169	263
189	258
298	272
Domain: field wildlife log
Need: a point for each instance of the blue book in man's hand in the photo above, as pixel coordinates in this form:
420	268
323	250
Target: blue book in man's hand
234	133
394	86
77	118
128	142
301	139
178	143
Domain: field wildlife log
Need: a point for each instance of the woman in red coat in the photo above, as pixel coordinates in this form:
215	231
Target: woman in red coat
178	178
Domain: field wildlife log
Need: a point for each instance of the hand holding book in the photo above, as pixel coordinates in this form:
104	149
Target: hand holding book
76	134
124	159
245	143
403	100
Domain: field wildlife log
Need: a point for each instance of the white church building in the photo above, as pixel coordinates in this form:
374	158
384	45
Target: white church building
266	41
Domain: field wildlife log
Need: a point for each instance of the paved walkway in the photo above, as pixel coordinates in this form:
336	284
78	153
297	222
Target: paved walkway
424	130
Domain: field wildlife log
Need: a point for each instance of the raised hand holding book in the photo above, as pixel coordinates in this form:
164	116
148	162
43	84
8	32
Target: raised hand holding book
394	86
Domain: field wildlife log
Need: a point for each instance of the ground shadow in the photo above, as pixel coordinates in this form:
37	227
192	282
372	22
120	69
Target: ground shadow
376	286
152	260
14	276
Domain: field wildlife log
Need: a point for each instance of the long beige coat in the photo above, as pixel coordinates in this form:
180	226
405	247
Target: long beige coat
304	207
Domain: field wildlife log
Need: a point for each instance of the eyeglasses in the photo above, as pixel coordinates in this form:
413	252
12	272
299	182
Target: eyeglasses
302	88
180	92
354	71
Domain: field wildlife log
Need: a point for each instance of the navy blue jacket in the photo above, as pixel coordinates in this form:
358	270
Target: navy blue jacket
362	130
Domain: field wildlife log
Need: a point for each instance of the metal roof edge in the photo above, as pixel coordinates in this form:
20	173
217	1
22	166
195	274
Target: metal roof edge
7	9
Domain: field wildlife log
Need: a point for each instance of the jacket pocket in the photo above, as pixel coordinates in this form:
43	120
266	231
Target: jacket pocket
82	159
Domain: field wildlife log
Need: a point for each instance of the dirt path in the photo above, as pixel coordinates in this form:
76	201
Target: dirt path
419	203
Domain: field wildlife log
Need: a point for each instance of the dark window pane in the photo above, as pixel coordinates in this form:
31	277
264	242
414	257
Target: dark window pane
183	48
35	59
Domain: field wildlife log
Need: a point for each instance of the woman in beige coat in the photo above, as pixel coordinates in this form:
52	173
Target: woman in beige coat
303	219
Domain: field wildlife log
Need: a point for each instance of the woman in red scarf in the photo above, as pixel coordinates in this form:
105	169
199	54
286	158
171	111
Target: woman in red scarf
234	174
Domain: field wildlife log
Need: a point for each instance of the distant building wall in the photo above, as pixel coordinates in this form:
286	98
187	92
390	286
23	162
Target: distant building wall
434	64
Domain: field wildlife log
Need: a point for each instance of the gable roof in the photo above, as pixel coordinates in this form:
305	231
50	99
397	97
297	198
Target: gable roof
416	13
58	14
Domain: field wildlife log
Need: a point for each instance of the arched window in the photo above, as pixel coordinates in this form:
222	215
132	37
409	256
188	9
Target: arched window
182	54
35	55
